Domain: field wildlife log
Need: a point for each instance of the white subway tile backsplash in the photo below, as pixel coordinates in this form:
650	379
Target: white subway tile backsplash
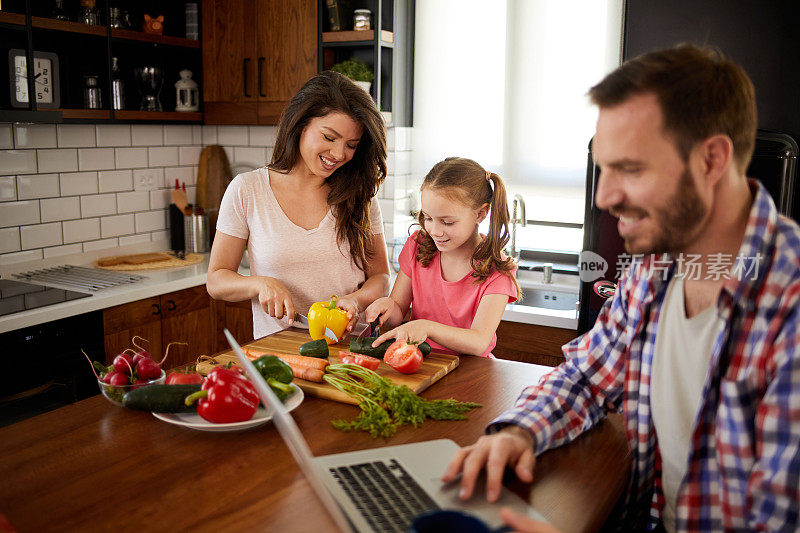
160	236
116	226
191	193
182	174
100	245
160	199
8	188
398	163
60	208
67	249
86	229
229	154
151	221
35	136
75	183
147	135
263	135
232	135
98	204
6	141
134	239
18	161
37	186
148	178
76	136
131	157
113	135
163	156
209	135
19	213
255	157
197	134
177	134
95	158
130	202
9	240
115	180
20	257
189	155
59	160
40	235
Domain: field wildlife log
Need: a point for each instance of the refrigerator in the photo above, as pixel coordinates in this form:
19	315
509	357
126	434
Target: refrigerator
774	163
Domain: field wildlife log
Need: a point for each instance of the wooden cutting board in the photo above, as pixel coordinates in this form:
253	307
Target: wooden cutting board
288	341
213	177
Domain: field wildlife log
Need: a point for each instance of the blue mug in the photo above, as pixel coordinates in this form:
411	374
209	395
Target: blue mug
449	521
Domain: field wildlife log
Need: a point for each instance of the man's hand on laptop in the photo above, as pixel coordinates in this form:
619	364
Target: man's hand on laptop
512	446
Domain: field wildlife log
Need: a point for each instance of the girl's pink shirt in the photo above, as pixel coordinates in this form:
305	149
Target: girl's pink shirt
453	303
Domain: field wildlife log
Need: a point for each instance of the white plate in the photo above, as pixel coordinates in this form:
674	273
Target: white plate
195	421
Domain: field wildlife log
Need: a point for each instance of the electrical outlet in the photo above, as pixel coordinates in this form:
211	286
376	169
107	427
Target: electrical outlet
147	179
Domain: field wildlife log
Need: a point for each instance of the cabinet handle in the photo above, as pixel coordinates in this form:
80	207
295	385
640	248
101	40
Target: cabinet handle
244	70
157	309
260	68
171	305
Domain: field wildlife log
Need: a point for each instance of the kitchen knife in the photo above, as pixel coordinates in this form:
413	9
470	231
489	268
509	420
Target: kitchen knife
303	320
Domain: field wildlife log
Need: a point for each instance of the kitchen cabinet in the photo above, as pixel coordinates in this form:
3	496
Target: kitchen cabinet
531	343
256	55
387	48
181	316
237	317
85	50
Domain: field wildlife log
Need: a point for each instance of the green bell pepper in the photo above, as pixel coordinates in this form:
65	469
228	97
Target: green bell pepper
277	373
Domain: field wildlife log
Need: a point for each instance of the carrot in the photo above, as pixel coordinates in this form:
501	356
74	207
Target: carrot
291	359
307	373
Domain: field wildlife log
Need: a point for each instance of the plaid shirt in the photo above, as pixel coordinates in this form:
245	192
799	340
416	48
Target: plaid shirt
743	469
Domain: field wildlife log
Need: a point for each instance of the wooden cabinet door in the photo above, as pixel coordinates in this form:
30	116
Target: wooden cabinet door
187	318
122	322
531	343
287	52
237	317
230	62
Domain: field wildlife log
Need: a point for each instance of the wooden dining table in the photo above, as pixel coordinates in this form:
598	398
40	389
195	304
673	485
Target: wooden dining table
93	466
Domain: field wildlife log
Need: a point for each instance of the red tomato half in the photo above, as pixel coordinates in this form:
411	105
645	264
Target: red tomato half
179	378
366	361
403	357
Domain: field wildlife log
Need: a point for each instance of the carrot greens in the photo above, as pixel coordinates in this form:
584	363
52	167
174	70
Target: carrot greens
386	406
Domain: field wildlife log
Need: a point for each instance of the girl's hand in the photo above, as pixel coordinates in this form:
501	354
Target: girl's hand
415	332
379	309
351	306
274	298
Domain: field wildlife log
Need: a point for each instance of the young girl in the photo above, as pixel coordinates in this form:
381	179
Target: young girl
456	280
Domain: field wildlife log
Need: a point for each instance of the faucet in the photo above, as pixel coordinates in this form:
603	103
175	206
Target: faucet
547	273
517	217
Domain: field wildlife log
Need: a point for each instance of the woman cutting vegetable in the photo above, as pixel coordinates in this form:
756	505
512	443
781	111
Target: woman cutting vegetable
309	219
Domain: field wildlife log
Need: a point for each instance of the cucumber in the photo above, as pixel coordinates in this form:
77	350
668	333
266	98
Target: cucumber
317	348
161	398
425	348
363	345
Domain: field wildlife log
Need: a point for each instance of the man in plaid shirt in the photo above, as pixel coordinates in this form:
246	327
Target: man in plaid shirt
704	367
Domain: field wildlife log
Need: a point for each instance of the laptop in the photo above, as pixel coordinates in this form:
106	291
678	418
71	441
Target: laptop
380	489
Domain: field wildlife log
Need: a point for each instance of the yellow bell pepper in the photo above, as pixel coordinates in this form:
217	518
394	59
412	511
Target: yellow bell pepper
323	315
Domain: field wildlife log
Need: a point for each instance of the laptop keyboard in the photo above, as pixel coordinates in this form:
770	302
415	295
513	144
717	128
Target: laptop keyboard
384	493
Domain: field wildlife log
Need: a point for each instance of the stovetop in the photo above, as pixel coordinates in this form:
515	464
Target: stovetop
16	296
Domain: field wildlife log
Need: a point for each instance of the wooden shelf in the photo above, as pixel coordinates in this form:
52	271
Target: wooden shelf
154	38
65	25
12	18
85	114
162	116
356	36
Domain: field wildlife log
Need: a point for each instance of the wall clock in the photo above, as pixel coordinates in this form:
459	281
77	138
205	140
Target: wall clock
46	79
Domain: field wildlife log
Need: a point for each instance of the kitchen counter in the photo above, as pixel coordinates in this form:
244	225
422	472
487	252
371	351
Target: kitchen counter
95	466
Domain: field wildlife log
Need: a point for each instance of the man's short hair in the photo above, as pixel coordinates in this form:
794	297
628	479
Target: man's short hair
701	93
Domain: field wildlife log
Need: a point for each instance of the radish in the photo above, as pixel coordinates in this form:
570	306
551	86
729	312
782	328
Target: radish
142	353
123	363
118	379
148	369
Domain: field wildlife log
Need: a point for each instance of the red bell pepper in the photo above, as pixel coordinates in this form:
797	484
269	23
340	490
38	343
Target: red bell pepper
225	396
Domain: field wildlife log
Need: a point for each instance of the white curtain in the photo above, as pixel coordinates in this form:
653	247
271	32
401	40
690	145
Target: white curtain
505	82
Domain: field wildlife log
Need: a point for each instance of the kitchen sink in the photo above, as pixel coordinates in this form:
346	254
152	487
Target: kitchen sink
548	299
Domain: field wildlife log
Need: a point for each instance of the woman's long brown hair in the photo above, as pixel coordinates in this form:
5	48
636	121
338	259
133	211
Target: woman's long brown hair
466	182
353	185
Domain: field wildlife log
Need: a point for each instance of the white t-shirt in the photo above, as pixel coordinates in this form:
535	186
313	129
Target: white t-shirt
680	368
307	261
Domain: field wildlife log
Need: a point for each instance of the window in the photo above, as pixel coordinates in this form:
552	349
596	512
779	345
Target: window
505	83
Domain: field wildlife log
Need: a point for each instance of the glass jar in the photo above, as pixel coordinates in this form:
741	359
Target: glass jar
362	19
